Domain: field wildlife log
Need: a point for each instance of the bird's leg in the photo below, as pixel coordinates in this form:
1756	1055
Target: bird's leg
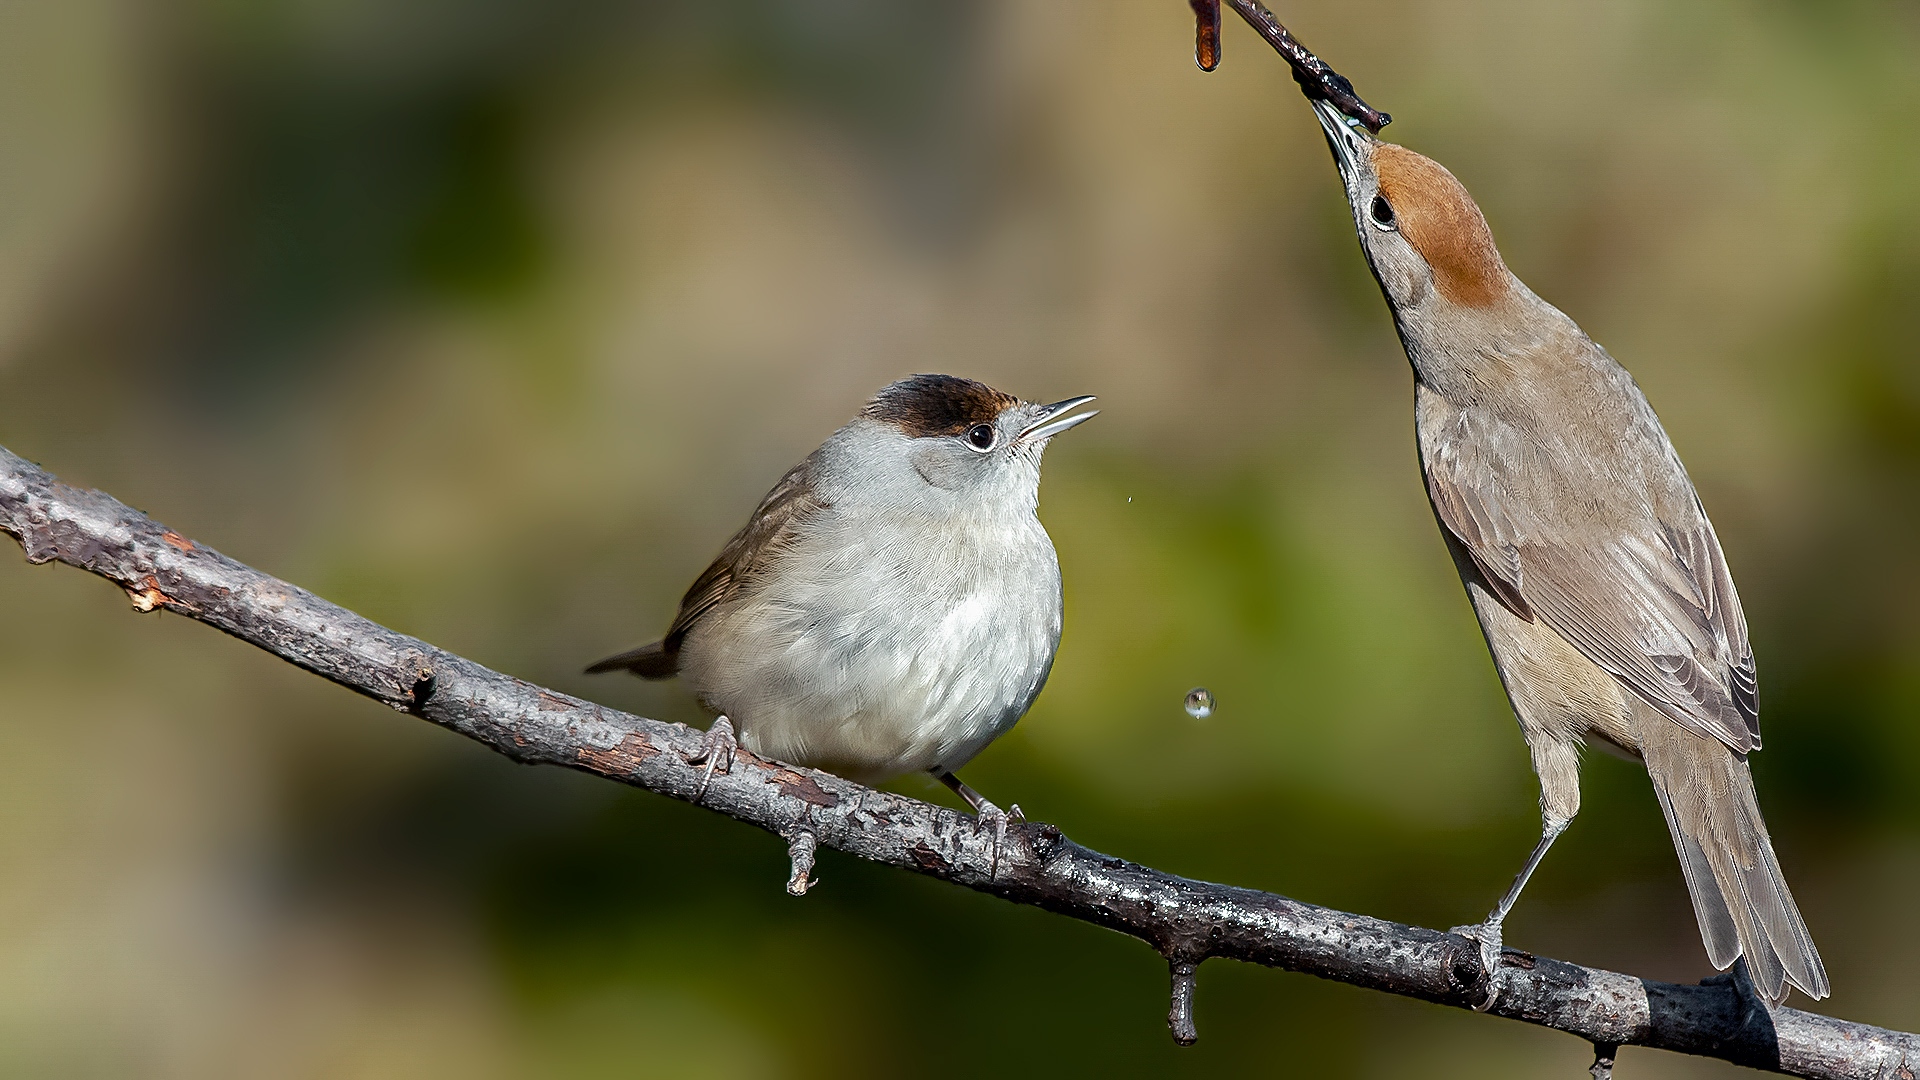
716	749
986	814
1488	933
981	806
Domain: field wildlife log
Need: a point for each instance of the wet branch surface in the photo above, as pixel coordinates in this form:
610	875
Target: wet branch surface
1186	921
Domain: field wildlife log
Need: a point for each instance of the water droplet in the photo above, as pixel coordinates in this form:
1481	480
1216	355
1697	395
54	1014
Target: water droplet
1200	703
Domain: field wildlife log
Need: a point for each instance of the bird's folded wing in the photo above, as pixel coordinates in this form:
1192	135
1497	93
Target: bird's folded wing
765	535
1649	600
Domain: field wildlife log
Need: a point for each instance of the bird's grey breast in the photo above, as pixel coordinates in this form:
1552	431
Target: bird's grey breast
901	629
975	596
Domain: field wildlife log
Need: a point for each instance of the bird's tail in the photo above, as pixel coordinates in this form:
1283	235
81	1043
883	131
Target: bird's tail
653	661
1738	892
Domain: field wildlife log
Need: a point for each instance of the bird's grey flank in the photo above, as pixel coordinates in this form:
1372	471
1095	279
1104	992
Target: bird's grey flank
1587	555
894	604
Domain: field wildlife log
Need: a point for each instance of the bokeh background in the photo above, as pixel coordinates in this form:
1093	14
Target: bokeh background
491	319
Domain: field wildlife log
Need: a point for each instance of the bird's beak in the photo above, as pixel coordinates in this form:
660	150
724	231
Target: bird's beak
1350	142
1050	422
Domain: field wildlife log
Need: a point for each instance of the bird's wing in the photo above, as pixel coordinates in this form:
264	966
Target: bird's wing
1642	590
765	535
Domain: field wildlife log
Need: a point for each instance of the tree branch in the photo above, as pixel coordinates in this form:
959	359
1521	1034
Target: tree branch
1186	921
1316	79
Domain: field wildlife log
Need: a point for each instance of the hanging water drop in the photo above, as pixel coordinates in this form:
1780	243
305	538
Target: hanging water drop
1200	703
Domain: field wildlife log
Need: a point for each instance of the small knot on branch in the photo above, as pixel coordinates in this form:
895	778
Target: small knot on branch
422	688
147	595
1180	1007
800	849
1045	840
1469	978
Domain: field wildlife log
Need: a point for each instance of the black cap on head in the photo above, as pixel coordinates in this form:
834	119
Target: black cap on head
927	405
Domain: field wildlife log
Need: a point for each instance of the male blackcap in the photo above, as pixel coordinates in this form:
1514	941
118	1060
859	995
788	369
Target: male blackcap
1597	578
894	604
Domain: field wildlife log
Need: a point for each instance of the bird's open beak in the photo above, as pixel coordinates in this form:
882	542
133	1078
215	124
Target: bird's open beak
1349	140
1050	422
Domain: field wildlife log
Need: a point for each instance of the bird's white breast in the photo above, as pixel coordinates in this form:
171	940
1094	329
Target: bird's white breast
887	642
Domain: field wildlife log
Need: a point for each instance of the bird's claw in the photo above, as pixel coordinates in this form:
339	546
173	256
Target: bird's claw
991	817
1752	1002
1487	936
716	749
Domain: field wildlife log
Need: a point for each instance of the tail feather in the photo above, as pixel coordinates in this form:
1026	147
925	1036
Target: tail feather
1739	894
1717	930
653	661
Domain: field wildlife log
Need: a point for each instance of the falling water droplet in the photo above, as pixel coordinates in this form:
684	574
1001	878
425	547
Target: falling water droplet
1200	703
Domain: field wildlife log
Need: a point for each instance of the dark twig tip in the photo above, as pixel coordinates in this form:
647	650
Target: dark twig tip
1316	79
1206	33
1602	1067
1180	1008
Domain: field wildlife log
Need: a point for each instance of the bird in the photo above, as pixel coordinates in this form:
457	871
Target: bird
1590	562
894	603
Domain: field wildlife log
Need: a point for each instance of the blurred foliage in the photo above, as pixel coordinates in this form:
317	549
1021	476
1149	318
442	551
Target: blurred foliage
491	319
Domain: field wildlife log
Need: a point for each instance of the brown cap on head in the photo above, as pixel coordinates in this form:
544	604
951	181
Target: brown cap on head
1437	216
926	405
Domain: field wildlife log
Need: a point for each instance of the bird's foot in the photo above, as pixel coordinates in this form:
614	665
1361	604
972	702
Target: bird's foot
1752	1002
716	749
1487	936
985	815
991	817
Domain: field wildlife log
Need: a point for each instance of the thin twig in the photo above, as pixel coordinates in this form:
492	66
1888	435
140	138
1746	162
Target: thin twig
1186	921
1603	1055
800	858
1314	76
1184	974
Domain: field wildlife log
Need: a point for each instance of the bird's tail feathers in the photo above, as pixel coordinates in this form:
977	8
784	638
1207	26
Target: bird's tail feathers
1739	894
653	661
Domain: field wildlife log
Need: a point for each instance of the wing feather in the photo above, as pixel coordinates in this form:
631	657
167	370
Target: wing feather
765	536
1642	591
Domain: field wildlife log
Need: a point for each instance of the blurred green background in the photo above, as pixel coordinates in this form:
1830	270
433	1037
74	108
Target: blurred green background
491	319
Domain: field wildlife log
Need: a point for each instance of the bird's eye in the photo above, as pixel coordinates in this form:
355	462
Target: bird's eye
982	436
1382	213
